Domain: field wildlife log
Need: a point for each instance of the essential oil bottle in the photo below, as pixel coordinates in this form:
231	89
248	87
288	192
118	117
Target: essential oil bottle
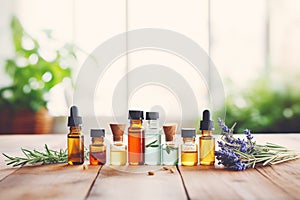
152	139
136	138
207	141
189	149
97	148
118	150
75	138
169	148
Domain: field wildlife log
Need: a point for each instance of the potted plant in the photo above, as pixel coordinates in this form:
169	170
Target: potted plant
33	70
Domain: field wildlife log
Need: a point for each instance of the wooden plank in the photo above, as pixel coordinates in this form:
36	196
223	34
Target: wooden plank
12	144
133	182
218	183
209	183
285	175
58	181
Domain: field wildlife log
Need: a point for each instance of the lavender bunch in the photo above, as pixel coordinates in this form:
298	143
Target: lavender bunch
240	154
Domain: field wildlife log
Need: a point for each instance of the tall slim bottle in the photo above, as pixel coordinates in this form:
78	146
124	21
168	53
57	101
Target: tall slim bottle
152	139
75	138
170	148
207	141
189	149
118	150
136	138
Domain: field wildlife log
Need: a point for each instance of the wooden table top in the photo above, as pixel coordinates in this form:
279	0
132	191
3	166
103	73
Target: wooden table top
60	181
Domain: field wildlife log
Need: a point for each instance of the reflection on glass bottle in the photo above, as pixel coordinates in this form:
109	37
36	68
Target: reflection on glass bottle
152	139
169	149
118	150
97	148
189	149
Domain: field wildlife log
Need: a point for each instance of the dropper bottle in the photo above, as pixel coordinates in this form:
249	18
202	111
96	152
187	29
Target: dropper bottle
75	138
207	141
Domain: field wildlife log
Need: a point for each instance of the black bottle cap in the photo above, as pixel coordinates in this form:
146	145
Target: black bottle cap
97	132
206	123
136	114
152	115
74	119
188	132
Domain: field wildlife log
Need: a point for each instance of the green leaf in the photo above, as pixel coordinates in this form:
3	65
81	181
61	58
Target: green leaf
151	144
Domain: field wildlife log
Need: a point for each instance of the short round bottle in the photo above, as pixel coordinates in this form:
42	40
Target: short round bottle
98	147
189	149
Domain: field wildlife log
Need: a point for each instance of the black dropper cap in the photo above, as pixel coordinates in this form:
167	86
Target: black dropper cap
152	115
206	123
97	132
188	132
74	119
136	114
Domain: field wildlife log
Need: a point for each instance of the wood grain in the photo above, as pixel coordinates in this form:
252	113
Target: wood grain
133	182
12	144
59	181
216	183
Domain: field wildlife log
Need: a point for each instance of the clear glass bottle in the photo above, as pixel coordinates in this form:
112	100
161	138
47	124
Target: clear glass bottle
97	148
118	150
207	141
152	139
75	138
189	149
136	138
170	148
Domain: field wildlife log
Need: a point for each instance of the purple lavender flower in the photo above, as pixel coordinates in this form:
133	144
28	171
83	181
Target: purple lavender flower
239	154
223	126
248	134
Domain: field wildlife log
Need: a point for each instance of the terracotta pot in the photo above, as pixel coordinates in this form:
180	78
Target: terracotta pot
25	121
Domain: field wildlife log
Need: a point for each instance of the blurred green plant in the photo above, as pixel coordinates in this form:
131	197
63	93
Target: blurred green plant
265	108
34	69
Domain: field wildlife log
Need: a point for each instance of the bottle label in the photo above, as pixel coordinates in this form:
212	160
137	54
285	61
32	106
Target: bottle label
189	147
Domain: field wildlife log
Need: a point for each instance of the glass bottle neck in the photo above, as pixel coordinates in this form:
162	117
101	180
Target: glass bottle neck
97	140
207	132
185	140
136	123
170	142
153	124
75	129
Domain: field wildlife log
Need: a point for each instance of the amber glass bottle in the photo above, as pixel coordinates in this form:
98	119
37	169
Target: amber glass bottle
97	148
75	138
207	141
136	138
189	149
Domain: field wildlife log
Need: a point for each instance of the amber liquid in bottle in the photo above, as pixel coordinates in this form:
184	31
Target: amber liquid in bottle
136	143
97	151
207	148
75	146
189	152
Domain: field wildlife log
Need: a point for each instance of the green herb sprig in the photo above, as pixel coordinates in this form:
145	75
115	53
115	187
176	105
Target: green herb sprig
152	144
37	157
240	154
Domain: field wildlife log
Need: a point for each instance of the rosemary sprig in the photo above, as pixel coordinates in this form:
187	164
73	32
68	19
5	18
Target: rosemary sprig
152	144
37	157
169	149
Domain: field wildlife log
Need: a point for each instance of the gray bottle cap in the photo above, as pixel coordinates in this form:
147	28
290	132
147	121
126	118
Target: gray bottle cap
188	132
97	132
